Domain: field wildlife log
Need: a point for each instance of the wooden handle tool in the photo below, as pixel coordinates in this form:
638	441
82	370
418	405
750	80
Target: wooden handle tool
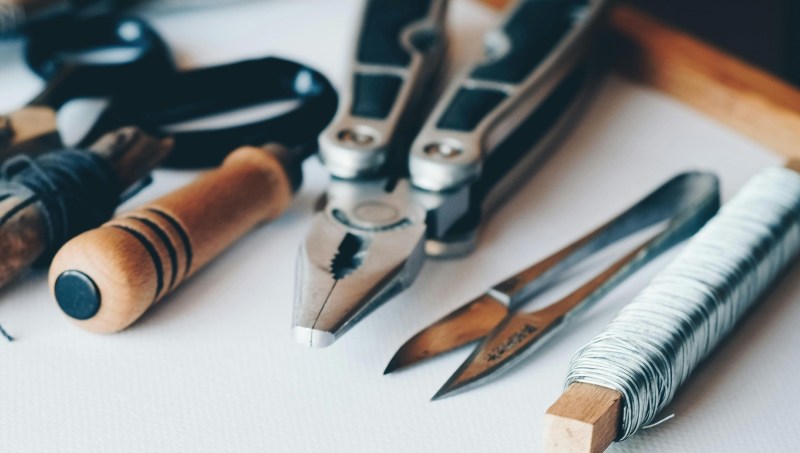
24	237
29	130
107	278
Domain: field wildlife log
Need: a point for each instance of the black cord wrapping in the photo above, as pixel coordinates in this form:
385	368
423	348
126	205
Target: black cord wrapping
76	190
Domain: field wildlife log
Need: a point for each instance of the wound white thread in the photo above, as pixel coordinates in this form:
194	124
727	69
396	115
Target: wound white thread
655	342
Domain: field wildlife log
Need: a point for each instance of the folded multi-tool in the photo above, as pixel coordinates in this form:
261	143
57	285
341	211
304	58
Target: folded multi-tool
393	200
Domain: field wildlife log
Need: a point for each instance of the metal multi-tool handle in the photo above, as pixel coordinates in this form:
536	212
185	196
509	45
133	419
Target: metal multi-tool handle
371	236
400	46
106	278
539	43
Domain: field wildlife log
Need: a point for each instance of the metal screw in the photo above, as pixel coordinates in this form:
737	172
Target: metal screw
354	137
445	150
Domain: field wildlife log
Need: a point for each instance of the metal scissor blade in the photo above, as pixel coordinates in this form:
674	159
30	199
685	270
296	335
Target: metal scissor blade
466	324
687	200
365	246
512	340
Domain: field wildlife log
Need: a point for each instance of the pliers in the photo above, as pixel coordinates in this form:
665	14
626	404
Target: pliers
393	201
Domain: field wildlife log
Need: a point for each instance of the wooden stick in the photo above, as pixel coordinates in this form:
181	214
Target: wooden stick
585	419
107	278
749	100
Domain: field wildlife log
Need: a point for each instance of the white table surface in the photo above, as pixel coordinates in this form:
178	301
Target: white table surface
214	366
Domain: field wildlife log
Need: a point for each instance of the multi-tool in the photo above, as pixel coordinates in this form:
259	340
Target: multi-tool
392	200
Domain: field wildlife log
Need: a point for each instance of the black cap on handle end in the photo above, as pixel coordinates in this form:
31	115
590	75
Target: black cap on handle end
77	295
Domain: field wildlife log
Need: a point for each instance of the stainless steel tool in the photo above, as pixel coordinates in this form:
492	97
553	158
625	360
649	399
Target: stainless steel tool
508	336
382	213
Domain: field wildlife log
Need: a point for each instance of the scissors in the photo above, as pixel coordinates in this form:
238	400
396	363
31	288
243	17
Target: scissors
44	201
381	216
507	335
66	55
147	90
191	95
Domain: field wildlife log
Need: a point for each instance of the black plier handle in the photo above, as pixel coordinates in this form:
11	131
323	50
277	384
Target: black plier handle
399	49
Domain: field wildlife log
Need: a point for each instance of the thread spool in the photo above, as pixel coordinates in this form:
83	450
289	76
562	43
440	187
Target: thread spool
48	200
621	380
106	278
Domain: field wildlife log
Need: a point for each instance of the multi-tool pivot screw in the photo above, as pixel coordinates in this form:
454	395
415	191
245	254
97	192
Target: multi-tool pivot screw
445	150
353	137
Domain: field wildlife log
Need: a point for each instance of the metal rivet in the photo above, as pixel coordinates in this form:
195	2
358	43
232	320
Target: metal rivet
353	137
445	150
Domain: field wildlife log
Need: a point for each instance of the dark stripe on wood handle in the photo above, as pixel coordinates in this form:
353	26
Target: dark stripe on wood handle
173	254
151	250
187	245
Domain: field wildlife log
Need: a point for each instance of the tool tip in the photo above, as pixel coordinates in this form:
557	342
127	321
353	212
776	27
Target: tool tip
392	366
77	294
450	388
408	354
402	359
443	392
313	337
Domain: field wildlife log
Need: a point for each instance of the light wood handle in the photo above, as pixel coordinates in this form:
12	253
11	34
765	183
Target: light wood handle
107	278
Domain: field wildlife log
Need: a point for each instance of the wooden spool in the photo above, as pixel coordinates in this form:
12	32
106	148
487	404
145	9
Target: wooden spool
107	278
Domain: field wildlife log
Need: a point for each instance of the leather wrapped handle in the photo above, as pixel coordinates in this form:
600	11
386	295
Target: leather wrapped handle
105	279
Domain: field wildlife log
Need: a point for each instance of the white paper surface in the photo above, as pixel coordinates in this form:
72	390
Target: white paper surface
214	366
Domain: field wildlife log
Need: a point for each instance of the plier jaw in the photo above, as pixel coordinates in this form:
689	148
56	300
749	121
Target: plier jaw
364	246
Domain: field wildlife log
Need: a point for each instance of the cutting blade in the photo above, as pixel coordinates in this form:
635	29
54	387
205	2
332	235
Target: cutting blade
467	324
517	336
